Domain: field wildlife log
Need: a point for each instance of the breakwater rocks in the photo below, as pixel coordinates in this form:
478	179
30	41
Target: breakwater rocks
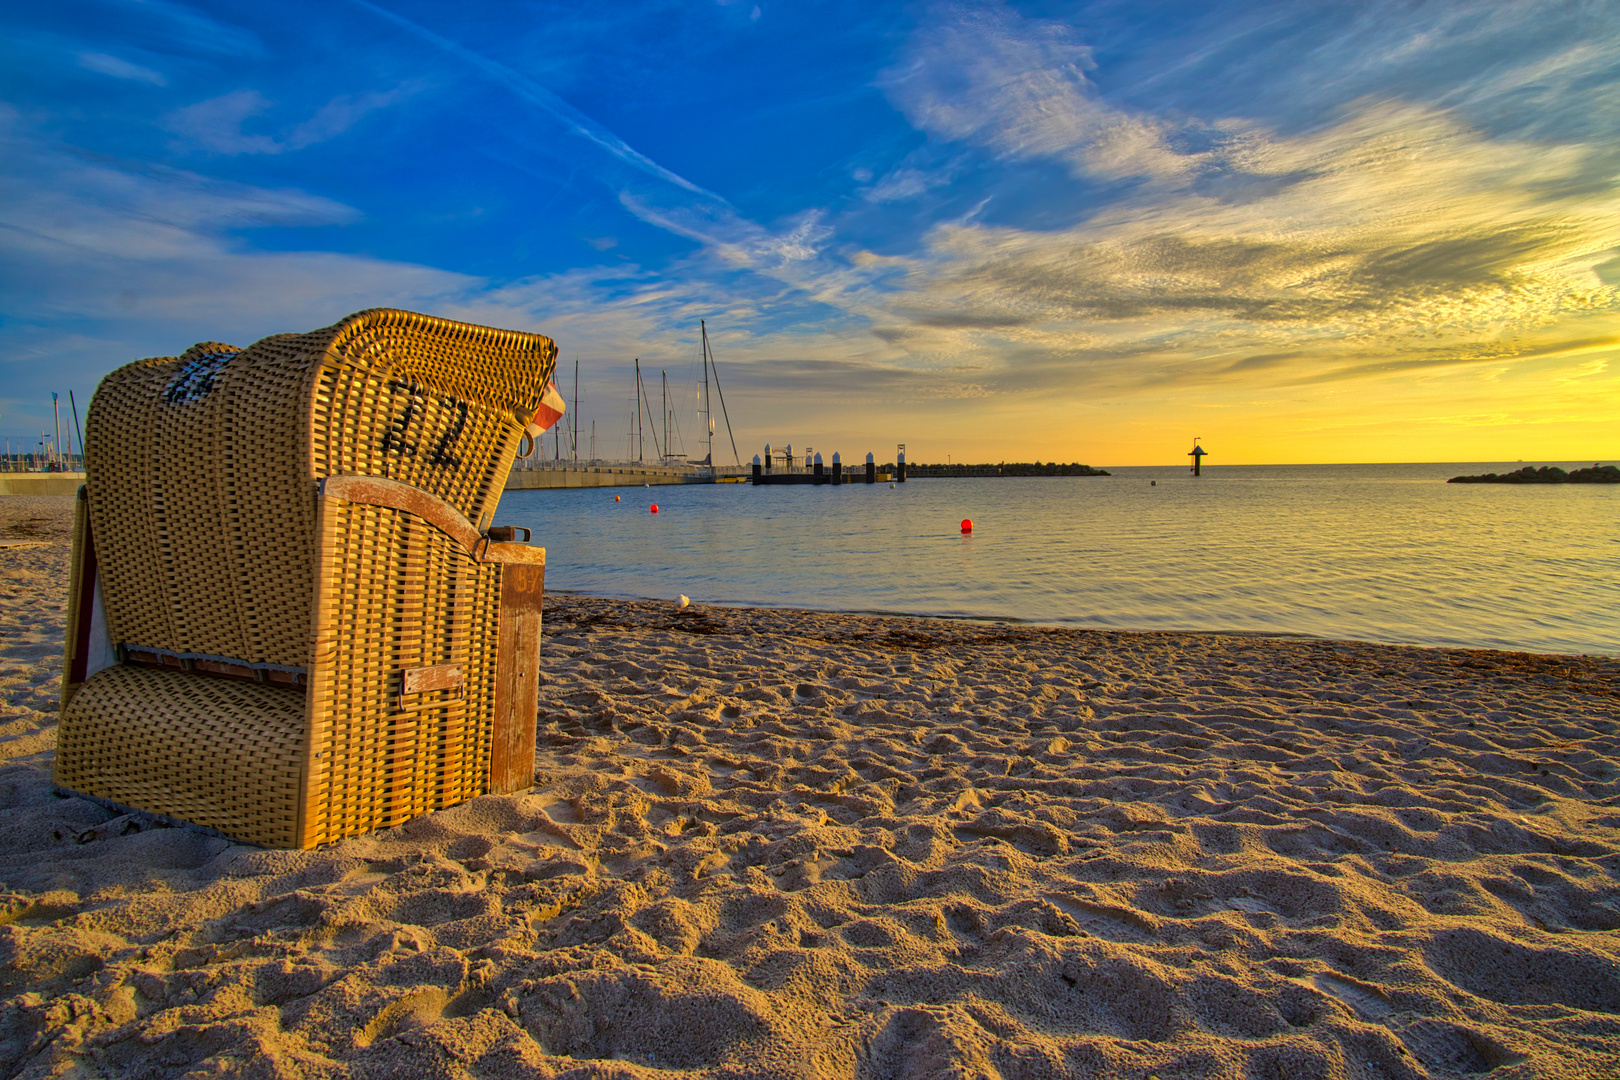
1006	468
1547	474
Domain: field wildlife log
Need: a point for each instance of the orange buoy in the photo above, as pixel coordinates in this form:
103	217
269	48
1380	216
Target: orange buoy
615	498
655	508
967	525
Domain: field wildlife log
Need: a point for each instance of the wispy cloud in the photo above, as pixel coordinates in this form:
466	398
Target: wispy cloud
670	202
97	239
906	183
217	125
183	28
102	261
118	68
537	95
1266	208
1397	229
1019	88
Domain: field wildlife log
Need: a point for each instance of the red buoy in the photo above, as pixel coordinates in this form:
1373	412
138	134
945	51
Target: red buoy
655	508
967	525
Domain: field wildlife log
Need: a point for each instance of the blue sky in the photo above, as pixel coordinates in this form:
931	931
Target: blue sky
1305	232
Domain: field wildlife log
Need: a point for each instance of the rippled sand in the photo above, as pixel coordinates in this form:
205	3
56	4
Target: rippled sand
768	843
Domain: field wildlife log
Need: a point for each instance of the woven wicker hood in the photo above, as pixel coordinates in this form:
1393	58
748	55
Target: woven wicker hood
203	468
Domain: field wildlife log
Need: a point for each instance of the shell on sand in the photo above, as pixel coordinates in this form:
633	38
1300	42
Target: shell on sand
773	843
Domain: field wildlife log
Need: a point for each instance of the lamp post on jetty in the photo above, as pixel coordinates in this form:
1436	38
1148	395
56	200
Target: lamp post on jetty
1197	454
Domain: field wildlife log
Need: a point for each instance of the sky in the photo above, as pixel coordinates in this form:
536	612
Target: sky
1303	232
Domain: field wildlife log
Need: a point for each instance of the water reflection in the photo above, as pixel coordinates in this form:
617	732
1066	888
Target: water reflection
1371	552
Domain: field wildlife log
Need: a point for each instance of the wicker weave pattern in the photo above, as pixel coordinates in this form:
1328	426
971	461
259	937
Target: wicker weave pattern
450	447
212	538
209	539
216	752
266	516
433	352
201	492
410	597
409	407
127	517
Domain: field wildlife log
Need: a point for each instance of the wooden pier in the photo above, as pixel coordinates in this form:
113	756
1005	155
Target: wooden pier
781	466
40	483
550	475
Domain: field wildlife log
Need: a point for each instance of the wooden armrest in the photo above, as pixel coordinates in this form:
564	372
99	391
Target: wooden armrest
378	491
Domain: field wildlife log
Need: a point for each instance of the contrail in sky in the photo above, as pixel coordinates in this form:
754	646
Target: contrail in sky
537	95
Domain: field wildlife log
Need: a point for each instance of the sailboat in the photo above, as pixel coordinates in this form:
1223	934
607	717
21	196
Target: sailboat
667	456
708	414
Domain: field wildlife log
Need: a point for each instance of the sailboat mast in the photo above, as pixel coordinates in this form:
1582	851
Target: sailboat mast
722	392
573	448
665	374
644	402
708	416
641	442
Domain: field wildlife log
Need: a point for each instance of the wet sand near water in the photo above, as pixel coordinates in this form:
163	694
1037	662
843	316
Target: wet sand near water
792	844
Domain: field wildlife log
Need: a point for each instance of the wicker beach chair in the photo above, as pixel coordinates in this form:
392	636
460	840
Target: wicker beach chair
291	620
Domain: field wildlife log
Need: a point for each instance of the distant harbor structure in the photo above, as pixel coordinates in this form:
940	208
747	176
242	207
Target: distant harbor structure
1197	454
1547	474
781	466
56	468
532	471
598	473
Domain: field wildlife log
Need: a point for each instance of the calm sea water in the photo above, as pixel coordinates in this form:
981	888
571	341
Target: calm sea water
1386	553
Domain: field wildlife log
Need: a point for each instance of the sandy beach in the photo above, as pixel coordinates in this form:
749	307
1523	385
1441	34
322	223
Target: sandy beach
790	844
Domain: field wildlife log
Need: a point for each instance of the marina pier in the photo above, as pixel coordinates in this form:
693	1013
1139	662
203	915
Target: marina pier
548	475
40	483
781	466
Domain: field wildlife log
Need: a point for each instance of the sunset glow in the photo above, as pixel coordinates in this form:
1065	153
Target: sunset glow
1306	233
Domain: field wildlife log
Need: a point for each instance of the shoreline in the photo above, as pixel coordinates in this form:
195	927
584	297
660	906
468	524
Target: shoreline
1035	624
781	842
